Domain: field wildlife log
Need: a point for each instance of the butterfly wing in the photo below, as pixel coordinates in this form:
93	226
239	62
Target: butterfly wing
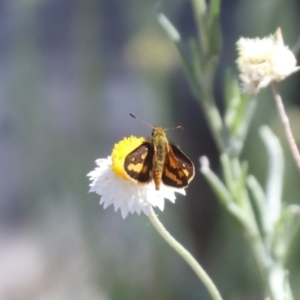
179	170
138	163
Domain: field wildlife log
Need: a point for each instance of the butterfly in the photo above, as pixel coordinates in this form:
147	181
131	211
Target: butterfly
160	161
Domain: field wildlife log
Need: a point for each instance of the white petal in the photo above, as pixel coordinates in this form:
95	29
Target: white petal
107	201
124	211
161	203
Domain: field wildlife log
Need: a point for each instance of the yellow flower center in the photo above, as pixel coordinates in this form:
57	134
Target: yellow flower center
120	151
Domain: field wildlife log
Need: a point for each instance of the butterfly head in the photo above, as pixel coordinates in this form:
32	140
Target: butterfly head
158	131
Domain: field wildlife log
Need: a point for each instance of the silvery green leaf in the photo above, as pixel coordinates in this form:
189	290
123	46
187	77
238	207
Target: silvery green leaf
285	230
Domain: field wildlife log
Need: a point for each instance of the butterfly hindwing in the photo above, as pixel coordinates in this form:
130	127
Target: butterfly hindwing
138	163
178	170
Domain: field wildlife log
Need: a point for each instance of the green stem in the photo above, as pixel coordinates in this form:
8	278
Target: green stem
263	262
272	273
213	291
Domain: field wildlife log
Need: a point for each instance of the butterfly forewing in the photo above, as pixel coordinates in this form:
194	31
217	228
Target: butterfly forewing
178	170
138	163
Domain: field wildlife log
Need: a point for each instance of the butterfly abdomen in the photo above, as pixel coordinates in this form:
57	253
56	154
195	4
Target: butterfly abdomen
159	158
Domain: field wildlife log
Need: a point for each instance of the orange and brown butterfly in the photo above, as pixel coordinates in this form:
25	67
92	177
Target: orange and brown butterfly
160	161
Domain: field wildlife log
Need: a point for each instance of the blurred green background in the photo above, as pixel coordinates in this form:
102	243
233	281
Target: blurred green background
70	74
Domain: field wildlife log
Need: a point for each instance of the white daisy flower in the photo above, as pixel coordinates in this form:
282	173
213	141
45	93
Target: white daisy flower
262	61
115	188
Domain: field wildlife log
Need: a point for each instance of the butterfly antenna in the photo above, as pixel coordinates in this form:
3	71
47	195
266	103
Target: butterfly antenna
135	117
177	127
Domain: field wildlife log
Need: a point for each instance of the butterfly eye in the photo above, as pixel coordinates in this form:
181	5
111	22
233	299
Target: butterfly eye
153	132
